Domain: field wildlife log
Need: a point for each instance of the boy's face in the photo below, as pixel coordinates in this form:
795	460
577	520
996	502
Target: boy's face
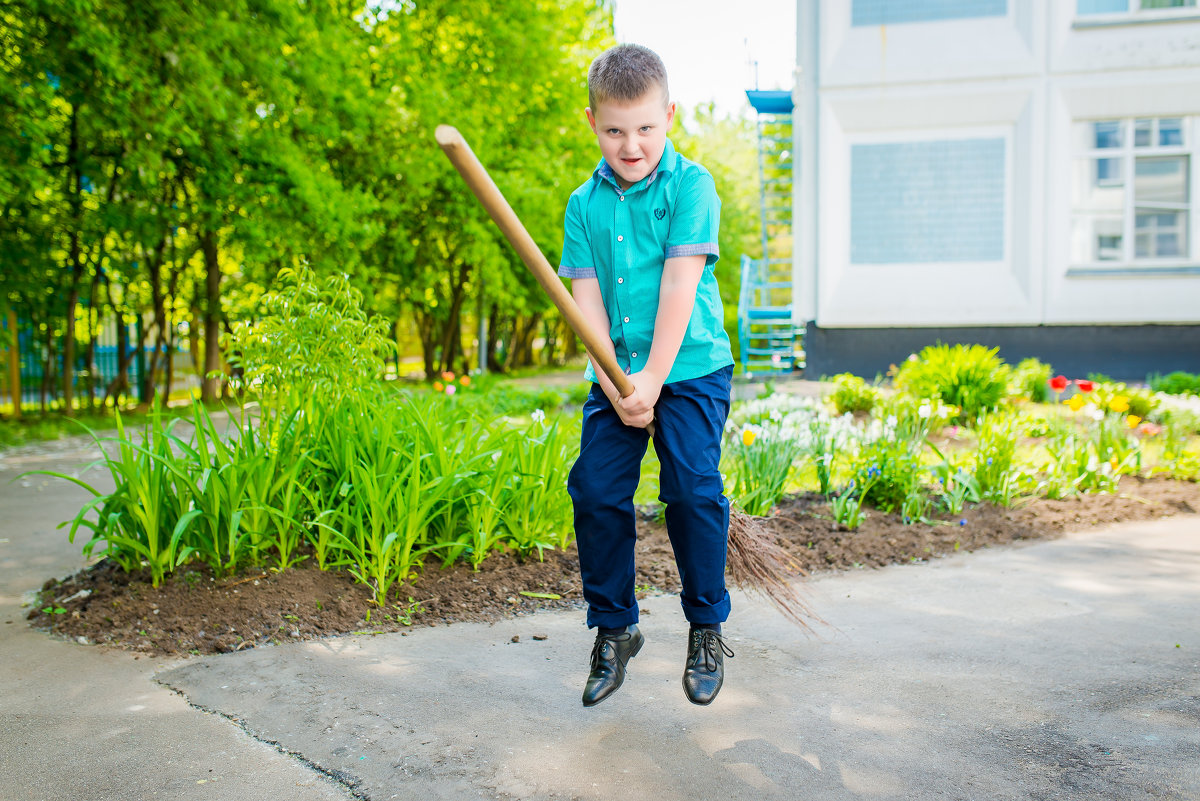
632	136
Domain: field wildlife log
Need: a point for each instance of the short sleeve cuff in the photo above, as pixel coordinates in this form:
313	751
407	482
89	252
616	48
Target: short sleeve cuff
702	249
576	272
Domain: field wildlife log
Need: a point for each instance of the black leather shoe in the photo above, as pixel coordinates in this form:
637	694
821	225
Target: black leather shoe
705	669
610	654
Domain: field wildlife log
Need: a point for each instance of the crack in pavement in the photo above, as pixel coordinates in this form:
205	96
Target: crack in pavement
346	782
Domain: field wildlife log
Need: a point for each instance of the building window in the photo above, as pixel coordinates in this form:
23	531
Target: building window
1089	7
928	202
892	12
1132	190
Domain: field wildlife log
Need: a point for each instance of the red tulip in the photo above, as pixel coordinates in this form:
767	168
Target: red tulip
1059	383
1085	385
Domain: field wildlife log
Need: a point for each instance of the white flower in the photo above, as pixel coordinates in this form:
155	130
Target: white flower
924	411
775	416
1097	414
538	416
891	421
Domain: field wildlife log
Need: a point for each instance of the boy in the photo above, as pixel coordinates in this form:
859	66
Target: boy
640	243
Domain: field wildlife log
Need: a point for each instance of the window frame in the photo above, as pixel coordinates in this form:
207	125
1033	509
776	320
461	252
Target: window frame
1128	153
1135	13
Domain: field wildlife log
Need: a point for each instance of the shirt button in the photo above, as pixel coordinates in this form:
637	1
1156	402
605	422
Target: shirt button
620	280
622	198
620	239
635	355
626	319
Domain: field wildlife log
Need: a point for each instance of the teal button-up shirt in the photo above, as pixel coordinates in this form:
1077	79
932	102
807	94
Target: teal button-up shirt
623	237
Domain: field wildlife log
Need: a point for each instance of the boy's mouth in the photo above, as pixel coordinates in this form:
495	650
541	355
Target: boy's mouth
630	162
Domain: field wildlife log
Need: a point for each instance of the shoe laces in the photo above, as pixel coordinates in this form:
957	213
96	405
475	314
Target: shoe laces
707	642
598	647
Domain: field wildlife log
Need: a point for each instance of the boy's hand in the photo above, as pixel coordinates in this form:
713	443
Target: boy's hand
632	411
637	409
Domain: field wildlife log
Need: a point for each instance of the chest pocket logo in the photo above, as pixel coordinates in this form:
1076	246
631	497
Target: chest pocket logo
660	213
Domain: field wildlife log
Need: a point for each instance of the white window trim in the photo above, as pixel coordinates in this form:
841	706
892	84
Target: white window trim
939	135
1128	153
1136	15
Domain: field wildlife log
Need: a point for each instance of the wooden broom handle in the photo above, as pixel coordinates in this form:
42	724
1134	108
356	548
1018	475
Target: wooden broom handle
462	157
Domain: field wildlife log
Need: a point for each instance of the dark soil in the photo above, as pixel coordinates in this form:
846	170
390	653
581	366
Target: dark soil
193	612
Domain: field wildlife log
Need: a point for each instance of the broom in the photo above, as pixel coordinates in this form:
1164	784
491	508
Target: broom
756	562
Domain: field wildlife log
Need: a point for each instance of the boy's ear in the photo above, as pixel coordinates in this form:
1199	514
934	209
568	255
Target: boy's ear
591	119
670	114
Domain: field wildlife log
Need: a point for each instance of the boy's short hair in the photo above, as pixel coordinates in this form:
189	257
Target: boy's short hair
625	73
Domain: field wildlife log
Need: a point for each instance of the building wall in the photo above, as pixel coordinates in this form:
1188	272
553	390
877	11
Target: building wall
941	192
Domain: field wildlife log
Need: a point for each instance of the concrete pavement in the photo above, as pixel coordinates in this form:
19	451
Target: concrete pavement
1059	670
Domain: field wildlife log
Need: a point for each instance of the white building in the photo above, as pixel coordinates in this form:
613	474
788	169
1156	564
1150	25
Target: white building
1018	173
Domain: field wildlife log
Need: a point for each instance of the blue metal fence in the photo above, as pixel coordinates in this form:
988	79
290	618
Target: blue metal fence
34	363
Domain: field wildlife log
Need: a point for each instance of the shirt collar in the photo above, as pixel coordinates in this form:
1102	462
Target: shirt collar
666	165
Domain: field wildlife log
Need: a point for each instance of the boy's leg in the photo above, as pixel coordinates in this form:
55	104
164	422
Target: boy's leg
601	485
689	422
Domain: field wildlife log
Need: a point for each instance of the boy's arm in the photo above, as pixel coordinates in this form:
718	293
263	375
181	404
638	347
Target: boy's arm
586	292
676	299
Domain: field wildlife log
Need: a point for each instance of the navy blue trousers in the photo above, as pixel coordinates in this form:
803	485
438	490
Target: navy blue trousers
688	420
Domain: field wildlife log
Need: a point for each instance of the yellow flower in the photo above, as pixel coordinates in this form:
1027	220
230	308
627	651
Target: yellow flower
1076	402
437	386
748	437
1132	421
1119	404
1113	463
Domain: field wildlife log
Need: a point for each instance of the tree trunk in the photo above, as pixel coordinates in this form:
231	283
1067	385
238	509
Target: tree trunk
47	368
212	317
524	331
14	364
119	384
93	335
428	347
493	340
452	329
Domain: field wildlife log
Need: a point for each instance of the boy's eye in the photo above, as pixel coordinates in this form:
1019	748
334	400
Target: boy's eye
614	131
646	128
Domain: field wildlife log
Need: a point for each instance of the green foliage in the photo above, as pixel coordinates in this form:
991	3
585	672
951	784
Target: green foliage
847	505
823	450
996	471
889	470
972	378
1118	397
1031	380
314	338
853	394
759	463
1176	383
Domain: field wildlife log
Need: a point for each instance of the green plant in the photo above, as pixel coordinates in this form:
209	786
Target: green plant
822	449
1176	383
537	513
314	336
142	521
1030	379
847	505
889	467
853	394
996	471
972	378
759	463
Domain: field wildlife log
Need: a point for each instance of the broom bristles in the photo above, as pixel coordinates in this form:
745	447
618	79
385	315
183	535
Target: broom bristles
758	564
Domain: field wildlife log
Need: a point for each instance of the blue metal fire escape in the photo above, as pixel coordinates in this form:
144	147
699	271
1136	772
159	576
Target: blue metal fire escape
766	333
